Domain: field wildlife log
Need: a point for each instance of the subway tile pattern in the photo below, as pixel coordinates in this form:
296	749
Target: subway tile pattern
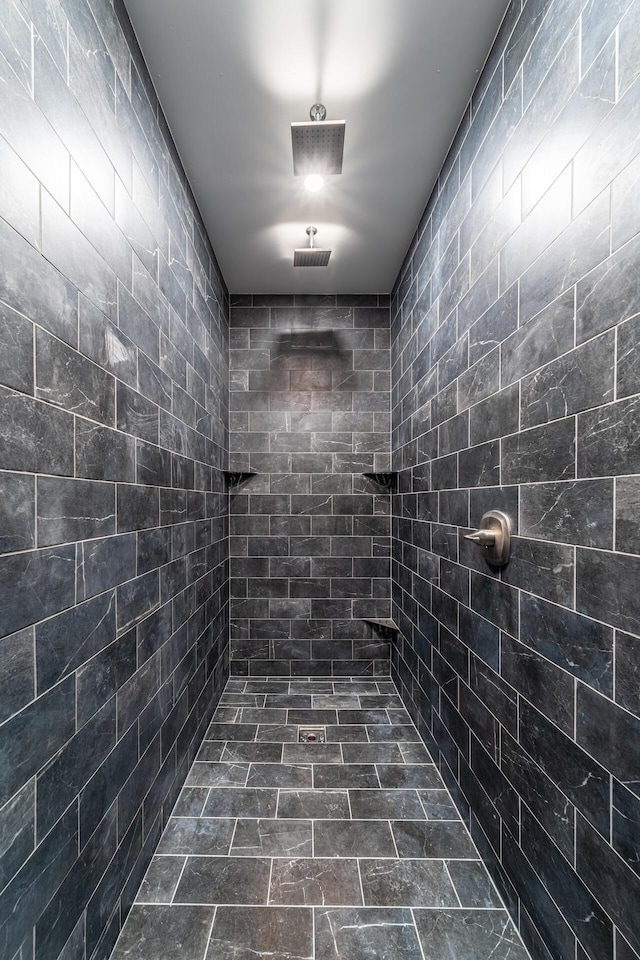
331	851
309	531
113	506
515	386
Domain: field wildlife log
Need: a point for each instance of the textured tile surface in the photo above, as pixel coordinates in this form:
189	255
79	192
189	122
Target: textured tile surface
318	872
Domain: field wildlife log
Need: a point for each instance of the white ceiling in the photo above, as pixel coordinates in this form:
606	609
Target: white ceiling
233	74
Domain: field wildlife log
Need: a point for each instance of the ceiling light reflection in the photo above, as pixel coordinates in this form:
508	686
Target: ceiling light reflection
314	182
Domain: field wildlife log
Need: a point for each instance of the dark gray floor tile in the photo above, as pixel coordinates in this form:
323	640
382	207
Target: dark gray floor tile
473	884
244	933
433	839
172	933
311	687
232	731
347	734
345	775
237	802
386	805
224	880
217	774
253	752
304	717
272	838
279	775
161	880
398	716
406	883
197	835
211	751
329	882
353	838
344	701
277	733
287	700
372	753
394	732
256	715
191	802
362	716
380	701
314	804
312	753
468	935
415	753
267	686
226	715
438	805
365	934
408	775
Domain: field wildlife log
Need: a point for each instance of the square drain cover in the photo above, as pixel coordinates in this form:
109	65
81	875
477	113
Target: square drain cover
311	735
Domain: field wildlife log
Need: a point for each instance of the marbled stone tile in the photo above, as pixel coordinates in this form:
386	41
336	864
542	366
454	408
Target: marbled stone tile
249	752
423	839
348	934
385	804
196	835
312	753
473	884
218	775
215	880
394	732
351	775
272	838
315	882
468	934
17	672
16	363
406	883
244	932
313	804
232	802
169	930
160	880
353	838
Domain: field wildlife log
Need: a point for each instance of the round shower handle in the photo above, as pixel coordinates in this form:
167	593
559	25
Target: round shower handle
494	536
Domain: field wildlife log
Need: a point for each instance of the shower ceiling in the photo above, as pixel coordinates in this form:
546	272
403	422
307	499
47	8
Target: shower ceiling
233	74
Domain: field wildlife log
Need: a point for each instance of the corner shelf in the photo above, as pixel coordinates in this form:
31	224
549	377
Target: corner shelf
235	477
385	622
386	479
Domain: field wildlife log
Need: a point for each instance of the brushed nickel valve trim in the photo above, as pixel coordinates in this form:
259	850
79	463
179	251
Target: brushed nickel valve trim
494	536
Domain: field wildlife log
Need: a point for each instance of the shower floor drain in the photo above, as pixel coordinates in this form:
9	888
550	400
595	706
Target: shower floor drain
311	735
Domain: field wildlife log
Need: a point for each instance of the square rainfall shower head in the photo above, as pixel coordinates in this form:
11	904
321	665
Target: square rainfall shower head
310	257
318	146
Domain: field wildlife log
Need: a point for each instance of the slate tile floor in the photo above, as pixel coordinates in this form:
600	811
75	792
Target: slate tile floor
346	850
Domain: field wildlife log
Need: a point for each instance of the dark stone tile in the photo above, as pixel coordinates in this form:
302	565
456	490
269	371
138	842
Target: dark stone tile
102	564
238	802
104	454
74	510
547	336
625	816
244	931
35	585
468	935
385	805
17	832
607	443
161	880
16	362
406	883
348	934
224	880
627	650
353	838
35	436
351	775
196	835
609	734
606	587
169	930
315	882
314	804
438	805
279	775
423	839
579	512
272	838
67	379
546	569
17	512
542	453
473	884
609	294
579	645
218	775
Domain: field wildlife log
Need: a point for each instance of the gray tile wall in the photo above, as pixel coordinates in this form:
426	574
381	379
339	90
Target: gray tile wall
309	532
113	509
516	385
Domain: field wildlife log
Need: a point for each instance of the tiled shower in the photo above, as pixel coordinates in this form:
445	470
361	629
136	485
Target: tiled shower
206	492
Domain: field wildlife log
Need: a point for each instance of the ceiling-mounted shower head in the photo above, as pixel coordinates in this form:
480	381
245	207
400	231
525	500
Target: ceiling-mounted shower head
318	144
311	256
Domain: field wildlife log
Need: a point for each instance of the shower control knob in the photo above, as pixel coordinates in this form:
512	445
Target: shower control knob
494	536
